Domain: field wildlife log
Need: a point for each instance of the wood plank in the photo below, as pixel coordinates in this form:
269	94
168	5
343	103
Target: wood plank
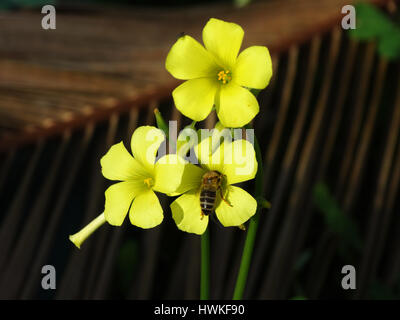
101	61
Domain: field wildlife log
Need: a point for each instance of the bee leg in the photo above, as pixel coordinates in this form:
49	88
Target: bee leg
242	227
201	215
222	197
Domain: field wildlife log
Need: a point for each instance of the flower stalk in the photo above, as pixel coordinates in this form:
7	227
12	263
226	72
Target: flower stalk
252	230
205	266
78	238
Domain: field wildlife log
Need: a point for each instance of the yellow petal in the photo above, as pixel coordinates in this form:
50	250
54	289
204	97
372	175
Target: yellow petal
242	207
190	179
221	134
145	142
239	161
253	68
195	98
236	106
187	139
146	211
174	175
188	59
168	171
208	157
209	151
236	160
118	164
119	197
187	213
224	40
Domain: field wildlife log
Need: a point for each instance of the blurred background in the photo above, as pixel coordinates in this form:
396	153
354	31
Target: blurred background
329	129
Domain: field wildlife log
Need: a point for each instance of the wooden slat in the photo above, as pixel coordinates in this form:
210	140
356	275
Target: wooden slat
64	78
283	181
302	180
46	244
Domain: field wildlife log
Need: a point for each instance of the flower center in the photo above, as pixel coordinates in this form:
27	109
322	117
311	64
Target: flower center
224	76
148	182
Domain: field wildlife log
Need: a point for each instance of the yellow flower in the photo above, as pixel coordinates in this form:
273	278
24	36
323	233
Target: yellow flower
217	75
140	176
236	162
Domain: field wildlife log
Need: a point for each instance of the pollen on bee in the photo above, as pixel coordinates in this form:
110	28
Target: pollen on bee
224	76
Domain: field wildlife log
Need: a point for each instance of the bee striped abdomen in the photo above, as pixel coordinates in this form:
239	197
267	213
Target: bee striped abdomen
207	201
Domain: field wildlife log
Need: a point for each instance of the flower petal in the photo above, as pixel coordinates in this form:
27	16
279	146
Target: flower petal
243	207
210	141
190	179
224	40
236	106
208	158
118	164
236	160
174	175
186	140
187	213
253	68
239	161
145	142
195	98
146	211
168	171
119	197
188	59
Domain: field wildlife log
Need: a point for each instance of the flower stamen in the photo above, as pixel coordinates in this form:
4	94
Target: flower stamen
224	76
148	182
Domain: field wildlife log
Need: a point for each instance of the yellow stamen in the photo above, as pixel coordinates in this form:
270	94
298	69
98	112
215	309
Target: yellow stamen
148	182
224	76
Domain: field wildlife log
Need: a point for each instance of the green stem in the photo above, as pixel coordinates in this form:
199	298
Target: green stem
205	266
252	231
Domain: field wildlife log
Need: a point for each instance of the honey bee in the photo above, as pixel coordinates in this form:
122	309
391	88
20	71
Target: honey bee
211	184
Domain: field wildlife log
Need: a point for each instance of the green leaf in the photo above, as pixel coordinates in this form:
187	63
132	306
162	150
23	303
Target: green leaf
370	23
161	124
389	45
336	220
373	25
